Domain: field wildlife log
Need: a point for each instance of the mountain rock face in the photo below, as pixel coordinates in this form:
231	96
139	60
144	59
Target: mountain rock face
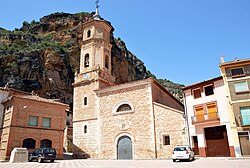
43	56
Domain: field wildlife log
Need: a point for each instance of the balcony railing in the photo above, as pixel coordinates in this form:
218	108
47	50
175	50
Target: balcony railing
205	117
244	120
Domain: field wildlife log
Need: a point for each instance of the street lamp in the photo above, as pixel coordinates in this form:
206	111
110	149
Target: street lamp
24	107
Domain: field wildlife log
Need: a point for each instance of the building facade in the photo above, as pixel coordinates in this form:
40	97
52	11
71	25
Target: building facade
5	93
236	75
30	121
208	119
133	120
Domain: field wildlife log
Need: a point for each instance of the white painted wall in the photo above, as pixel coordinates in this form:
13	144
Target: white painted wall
220	97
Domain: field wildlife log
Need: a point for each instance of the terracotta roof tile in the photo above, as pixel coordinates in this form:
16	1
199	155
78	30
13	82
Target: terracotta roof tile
37	98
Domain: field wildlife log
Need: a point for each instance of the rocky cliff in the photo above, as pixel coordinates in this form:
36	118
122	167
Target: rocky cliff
43	56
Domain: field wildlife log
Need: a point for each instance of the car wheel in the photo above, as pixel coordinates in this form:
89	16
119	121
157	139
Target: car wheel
52	160
30	159
40	160
174	160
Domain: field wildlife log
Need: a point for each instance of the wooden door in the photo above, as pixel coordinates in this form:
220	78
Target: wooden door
196	148
217	142
244	145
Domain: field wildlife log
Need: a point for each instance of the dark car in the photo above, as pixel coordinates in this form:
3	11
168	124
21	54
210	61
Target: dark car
41	154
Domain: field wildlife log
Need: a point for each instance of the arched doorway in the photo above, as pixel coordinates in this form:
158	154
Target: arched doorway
29	143
45	143
124	148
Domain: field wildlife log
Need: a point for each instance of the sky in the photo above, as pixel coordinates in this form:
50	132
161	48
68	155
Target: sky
178	40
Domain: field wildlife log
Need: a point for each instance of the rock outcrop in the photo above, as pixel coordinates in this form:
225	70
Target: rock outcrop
43	56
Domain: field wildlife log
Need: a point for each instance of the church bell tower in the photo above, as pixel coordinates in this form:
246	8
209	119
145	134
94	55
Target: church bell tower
94	74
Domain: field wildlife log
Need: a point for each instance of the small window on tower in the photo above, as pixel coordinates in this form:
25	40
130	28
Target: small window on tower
86	61
85	101
106	62
88	33
85	129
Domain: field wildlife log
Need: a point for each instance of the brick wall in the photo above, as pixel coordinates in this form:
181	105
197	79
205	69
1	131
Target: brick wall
16	128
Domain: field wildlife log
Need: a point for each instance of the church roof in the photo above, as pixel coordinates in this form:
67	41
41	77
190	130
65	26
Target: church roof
136	83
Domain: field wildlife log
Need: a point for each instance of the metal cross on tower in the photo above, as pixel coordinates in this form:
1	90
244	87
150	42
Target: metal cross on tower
97	16
96	2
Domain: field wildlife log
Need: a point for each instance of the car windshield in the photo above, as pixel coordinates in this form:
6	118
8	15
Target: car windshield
49	150
180	149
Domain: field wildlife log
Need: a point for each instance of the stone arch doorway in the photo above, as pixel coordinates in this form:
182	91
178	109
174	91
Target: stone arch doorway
124	148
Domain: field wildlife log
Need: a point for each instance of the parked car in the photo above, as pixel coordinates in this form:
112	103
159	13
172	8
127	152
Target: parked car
182	153
41	154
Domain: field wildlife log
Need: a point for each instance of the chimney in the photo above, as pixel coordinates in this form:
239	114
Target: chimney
222	59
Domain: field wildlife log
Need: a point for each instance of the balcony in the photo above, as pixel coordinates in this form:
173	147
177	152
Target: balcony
214	116
245	120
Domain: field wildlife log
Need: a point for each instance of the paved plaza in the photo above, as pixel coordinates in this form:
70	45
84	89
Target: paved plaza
199	163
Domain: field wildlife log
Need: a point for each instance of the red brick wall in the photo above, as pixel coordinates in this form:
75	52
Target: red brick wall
19	129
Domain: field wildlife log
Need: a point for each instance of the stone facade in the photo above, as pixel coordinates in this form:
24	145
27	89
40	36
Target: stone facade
109	116
165	119
145	123
17	128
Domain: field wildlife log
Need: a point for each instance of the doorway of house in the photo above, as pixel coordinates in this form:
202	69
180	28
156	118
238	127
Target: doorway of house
217	142
196	148
244	142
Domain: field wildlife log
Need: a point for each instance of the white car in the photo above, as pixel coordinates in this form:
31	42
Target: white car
182	153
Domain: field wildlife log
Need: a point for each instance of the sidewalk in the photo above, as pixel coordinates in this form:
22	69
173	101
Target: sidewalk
221	158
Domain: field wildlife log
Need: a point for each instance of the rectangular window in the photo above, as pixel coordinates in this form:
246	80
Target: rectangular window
46	122
212	111
197	93
166	140
237	72
241	86
245	115
199	113
209	90
33	121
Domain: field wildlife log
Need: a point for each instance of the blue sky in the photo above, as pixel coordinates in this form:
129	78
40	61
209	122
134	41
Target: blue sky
179	40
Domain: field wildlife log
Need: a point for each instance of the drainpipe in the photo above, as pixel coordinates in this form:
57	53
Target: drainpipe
186	119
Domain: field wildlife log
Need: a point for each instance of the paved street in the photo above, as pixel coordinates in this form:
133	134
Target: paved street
199	163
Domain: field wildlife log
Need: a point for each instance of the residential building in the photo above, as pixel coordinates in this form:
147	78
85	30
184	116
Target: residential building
236	76
133	120
30	121
208	119
4	93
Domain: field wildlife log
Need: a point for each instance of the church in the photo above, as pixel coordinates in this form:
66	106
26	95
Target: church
133	120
